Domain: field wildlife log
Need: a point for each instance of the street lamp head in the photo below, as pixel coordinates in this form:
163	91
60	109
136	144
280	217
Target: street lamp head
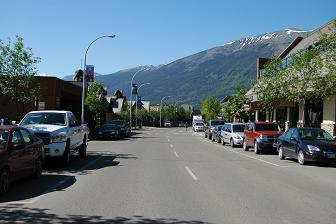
111	36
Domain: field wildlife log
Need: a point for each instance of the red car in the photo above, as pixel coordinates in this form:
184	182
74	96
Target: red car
21	154
261	136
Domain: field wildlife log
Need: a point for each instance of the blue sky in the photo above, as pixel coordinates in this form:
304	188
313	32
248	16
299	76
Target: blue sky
147	31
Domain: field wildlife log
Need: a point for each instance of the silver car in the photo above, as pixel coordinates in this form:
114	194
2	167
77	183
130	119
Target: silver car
233	133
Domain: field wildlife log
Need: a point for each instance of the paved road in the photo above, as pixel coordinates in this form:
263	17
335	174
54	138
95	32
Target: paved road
174	176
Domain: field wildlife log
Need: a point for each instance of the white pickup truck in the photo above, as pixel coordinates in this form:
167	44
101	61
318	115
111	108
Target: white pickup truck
60	131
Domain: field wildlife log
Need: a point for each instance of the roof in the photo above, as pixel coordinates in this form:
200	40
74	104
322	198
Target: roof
50	111
7	127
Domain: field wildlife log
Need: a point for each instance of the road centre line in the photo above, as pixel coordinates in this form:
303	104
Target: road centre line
191	173
171	146
53	188
176	155
168	140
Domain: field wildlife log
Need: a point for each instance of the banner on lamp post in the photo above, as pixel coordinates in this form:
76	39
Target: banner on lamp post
89	73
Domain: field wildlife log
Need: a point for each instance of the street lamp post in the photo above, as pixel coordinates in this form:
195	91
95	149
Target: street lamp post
161	109
176	108
84	72
136	103
130	110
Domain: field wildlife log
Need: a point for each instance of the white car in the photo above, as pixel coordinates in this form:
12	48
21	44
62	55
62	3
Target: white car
167	124
198	126
233	133
60	131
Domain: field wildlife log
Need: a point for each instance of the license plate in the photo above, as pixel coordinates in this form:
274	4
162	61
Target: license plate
331	156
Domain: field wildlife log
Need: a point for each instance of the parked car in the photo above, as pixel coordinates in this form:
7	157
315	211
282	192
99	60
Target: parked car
216	133
261	136
167	124
108	131
21	155
123	128
62	134
181	124
198	126
210	126
307	144
233	133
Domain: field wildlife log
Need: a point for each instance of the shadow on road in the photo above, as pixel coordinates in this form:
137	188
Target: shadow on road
28	189
11	214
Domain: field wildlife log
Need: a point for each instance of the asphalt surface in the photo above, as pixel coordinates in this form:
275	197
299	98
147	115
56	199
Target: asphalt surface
171	175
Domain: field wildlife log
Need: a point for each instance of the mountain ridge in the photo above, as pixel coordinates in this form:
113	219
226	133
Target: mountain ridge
211	72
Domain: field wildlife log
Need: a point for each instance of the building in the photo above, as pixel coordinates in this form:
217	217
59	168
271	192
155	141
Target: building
55	94
317	113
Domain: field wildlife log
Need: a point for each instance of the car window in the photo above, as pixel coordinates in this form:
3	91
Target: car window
267	127
72	119
238	127
16	138
315	134
27	138
295	134
45	118
289	133
3	138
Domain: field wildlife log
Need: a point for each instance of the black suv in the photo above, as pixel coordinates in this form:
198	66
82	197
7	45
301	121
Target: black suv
122	127
208	128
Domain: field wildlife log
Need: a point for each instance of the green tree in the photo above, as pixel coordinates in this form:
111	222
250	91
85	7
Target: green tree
182	114
142	115
168	112
154	116
17	73
95	100
234	107
210	108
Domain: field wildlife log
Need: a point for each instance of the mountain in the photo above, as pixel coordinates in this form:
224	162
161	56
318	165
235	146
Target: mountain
213	72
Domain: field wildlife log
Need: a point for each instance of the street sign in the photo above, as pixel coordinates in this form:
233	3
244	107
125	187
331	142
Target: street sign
134	89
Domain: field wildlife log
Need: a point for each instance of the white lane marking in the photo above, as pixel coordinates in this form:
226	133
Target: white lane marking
191	173
53	188
251	157
176	155
171	146
168	140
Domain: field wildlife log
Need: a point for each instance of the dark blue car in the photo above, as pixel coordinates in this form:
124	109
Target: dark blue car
307	144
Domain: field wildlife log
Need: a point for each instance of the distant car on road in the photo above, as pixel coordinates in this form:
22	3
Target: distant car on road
233	133
167	124
261	136
307	144
123	128
216	133
21	155
210	126
198	126
108	131
181	124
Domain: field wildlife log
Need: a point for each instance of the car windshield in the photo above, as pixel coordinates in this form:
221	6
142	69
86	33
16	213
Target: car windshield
267	127
238	127
315	134
3	138
199	124
213	123
118	122
108	127
45	118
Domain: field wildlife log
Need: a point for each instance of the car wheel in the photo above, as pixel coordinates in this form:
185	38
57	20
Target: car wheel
4	181
205	135
83	148
232	143
245	146
223	142
66	155
301	158
219	140
38	168
256	148
280	153
212	138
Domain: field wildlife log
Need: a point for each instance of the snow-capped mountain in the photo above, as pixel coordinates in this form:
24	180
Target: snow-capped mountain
213	72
